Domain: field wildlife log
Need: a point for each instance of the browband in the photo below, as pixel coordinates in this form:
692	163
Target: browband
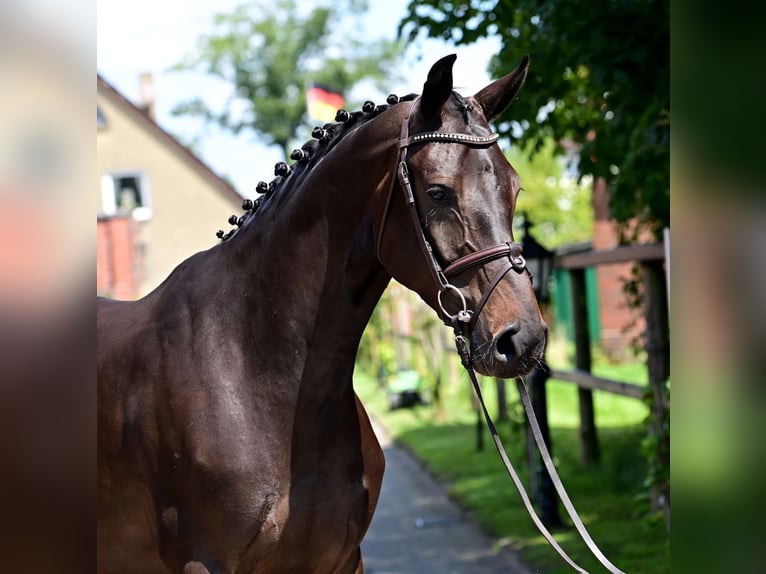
448	137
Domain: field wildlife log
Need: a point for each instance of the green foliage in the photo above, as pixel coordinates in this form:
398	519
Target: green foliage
376	350
551	197
656	448
268	52
383	351
600	78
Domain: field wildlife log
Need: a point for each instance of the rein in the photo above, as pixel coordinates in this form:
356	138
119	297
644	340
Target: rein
461	343
464	320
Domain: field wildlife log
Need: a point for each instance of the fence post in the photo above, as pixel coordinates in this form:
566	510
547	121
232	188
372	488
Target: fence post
589	448
658	367
544	489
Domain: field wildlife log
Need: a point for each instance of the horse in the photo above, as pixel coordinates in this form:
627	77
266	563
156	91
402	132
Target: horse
230	438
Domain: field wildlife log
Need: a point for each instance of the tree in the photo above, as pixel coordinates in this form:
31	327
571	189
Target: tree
551	197
600	78
269	52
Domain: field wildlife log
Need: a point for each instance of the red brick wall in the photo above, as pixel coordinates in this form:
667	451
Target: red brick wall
118	257
620	324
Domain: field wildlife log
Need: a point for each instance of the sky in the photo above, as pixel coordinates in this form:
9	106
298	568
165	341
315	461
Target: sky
151	36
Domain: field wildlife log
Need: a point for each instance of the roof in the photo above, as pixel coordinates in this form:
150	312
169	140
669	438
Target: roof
141	117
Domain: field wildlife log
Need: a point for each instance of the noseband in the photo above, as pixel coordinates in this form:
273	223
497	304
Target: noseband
510	250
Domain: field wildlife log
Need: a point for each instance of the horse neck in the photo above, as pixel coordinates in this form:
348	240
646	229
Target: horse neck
308	274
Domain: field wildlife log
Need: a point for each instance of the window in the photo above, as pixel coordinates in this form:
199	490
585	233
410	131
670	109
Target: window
126	192
100	118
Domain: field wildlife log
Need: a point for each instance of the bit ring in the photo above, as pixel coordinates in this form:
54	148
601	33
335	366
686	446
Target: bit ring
464	314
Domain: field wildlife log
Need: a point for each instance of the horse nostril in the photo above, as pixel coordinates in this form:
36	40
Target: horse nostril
504	342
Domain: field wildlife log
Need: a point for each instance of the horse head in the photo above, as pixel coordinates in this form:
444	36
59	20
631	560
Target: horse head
460	192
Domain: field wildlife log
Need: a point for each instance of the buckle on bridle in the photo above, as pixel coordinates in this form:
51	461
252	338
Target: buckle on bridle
518	263
517	259
461	344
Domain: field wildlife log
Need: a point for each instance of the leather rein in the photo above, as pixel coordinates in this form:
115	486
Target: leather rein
464	320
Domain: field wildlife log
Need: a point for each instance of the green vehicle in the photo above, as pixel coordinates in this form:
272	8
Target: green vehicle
404	390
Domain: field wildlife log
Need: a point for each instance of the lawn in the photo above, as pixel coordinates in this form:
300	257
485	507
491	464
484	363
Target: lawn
608	497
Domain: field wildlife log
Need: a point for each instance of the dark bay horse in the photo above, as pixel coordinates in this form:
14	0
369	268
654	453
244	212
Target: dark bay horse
230	438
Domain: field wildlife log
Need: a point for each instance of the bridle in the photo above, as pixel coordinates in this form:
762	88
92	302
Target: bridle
464	321
465	318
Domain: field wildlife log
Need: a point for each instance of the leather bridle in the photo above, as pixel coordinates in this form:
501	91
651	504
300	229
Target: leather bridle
441	277
464	320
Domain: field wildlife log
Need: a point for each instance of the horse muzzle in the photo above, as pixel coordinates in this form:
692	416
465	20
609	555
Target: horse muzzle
514	351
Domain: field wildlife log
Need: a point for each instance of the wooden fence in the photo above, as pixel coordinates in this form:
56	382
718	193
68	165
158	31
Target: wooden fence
652	258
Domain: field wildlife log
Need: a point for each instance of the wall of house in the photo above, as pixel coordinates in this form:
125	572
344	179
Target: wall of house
620	324
186	208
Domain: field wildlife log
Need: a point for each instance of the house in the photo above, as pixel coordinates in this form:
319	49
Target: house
615	325
620	324
157	203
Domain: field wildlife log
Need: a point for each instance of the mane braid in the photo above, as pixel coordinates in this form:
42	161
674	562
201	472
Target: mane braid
287	176
463	106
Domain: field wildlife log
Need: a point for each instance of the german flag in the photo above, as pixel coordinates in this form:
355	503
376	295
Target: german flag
322	103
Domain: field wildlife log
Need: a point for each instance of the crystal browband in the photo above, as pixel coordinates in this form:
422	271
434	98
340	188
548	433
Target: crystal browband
448	137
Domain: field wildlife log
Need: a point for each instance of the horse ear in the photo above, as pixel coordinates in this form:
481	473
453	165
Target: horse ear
495	97
438	87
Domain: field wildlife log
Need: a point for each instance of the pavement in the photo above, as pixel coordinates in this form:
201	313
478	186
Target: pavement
417	529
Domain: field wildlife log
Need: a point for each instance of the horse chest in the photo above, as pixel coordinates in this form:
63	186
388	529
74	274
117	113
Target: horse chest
314	526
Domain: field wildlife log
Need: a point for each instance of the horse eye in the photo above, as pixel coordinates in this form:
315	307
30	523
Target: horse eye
437	193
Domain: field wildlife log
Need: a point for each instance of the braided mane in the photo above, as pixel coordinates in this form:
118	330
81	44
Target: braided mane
325	138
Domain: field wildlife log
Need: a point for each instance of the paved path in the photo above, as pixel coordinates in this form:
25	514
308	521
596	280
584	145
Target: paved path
418	530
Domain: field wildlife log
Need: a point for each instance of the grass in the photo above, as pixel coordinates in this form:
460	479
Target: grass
608	497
